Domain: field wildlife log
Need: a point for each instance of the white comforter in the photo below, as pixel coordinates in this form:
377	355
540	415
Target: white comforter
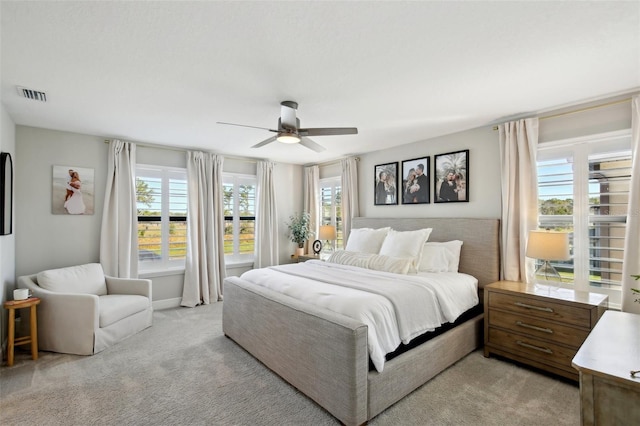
396	308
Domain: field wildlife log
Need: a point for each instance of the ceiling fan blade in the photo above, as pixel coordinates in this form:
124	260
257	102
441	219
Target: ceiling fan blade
328	131
288	115
264	142
244	125
306	142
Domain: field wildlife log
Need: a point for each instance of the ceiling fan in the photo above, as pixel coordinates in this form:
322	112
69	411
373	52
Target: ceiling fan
289	130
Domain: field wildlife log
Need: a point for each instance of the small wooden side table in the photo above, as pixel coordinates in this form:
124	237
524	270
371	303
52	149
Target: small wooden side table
32	338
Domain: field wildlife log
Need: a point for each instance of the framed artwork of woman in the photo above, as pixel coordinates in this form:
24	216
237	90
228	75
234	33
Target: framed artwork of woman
386	184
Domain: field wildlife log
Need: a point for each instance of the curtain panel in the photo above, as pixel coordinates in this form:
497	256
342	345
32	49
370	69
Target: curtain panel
350	196
312	201
204	265
631	262
119	230
266	234
518	152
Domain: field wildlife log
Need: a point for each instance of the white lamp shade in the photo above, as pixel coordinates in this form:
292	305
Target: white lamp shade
548	245
327	232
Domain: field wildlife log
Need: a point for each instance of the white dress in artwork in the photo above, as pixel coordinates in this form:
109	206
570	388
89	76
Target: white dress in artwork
75	203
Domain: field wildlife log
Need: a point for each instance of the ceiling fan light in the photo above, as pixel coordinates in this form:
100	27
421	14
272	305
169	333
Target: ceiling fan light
288	138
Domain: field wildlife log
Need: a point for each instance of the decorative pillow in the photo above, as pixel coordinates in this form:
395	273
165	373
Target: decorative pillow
366	240
450	250
371	261
86	279
405	244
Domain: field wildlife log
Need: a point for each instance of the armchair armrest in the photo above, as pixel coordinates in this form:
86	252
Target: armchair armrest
137	286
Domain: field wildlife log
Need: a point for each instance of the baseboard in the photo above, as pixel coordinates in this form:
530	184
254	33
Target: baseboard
166	303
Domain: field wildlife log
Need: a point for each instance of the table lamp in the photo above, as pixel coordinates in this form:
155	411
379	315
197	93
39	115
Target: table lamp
326	233
548	245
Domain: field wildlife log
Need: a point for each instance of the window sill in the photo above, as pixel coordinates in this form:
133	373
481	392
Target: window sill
241	264
161	273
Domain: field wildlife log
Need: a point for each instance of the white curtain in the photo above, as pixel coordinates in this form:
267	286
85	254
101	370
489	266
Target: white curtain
266	252
204	267
312	200
350	197
518	149
631	263
119	232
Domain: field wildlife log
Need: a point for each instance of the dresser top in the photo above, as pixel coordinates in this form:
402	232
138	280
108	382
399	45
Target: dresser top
612	349
564	294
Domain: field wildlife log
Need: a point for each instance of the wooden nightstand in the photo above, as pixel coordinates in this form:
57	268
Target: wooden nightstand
540	327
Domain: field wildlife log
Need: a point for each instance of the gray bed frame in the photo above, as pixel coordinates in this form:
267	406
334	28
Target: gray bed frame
324	354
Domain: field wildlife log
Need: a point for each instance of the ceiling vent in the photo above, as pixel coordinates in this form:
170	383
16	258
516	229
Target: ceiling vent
32	94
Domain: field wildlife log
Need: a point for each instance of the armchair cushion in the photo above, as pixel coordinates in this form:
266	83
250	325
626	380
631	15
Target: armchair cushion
114	307
87	279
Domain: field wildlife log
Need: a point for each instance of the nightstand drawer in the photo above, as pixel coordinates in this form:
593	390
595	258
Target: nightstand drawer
537	327
539	350
542	308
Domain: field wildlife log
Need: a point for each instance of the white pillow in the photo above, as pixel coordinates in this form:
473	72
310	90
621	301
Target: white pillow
405	244
434	259
371	261
449	250
87	279
366	240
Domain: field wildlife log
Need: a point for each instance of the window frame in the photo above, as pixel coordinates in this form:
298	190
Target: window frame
237	179
583	149
165	174
333	183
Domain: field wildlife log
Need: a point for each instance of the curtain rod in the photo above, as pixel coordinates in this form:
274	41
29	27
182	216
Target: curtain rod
575	111
329	163
174	148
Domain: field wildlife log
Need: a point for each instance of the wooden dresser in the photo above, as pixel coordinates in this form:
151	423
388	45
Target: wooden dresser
540	327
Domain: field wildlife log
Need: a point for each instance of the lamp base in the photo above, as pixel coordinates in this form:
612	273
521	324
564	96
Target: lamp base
546	276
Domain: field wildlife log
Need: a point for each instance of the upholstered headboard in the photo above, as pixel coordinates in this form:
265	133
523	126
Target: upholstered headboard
480	254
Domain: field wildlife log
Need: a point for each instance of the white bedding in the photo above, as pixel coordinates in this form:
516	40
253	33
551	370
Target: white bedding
396	308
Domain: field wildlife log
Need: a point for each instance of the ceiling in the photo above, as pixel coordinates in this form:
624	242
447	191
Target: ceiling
166	72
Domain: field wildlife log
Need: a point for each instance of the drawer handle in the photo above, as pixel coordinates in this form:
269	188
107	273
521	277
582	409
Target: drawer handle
534	327
538	308
537	348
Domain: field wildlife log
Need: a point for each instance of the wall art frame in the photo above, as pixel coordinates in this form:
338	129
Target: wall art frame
451	180
73	190
416	181
386	184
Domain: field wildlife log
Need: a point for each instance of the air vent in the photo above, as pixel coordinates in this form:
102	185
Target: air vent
32	94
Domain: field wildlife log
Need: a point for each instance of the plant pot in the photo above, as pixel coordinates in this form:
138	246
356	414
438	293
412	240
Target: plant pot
299	251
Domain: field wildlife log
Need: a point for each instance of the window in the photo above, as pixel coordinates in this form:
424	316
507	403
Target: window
162	217
239	217
331	209
583	187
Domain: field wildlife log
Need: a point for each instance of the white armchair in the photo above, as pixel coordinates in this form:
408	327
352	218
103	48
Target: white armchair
83	312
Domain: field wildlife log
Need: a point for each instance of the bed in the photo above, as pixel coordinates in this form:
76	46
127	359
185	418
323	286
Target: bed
325	354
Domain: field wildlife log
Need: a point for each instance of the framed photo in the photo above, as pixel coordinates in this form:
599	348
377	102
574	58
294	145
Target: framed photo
386	184
73	190
451	183
416	184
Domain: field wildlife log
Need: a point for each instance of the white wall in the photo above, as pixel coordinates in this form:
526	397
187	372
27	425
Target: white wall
46	240
483	181
7	242
52	241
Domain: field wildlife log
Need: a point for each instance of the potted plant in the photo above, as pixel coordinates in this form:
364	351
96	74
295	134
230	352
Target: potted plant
300	230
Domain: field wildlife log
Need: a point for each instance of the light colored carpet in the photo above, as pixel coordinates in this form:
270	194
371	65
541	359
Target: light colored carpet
183	371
